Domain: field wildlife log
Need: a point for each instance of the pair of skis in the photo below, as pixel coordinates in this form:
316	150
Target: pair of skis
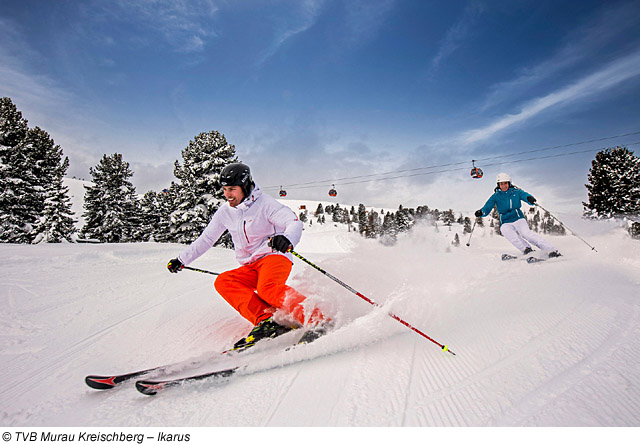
152	386
530	260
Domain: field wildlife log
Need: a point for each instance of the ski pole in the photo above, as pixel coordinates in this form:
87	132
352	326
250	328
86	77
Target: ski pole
574	233
200	270
471	234
370	301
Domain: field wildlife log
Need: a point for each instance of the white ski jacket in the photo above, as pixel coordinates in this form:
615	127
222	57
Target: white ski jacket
251	223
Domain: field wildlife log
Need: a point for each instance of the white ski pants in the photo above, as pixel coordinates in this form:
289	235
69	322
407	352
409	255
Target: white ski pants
521	236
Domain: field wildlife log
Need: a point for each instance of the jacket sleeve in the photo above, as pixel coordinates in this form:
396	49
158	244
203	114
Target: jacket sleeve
205	241
287	223
488	206
524	195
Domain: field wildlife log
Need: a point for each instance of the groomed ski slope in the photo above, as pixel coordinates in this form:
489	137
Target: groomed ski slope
549	344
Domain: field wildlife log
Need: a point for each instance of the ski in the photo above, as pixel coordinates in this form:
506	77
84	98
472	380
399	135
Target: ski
530	260
104	382
151	387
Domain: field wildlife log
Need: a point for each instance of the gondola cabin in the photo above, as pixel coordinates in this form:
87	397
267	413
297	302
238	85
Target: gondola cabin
476	173
333	192
283	193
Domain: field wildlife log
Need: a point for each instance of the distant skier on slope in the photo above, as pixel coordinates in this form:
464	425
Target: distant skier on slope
262	230
513	224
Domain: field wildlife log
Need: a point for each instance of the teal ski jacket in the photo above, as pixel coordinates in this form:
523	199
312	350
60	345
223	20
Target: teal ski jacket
508	204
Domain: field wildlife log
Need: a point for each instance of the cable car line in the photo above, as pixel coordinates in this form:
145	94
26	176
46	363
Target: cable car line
324	183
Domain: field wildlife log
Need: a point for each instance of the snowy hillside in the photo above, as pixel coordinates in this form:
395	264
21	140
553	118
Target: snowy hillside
549	344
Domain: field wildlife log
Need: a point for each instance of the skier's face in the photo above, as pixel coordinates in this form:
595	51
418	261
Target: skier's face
233	194
504	186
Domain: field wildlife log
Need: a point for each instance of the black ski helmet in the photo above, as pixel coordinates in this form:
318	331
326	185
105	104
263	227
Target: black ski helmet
238	174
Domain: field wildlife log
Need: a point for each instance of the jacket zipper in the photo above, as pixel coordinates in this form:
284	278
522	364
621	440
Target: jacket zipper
244	229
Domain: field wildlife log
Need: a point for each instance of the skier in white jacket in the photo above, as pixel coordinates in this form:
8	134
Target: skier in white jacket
263	231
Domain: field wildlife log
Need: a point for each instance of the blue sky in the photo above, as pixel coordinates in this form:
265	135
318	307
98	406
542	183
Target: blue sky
335	91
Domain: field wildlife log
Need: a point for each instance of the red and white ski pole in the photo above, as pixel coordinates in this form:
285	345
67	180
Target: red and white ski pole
370	301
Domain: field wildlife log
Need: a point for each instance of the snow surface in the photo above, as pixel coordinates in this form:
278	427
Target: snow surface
549	344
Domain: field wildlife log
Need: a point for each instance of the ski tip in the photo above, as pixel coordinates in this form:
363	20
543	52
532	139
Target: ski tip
100	382
149	388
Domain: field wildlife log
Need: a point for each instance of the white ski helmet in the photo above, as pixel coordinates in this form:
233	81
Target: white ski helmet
503	177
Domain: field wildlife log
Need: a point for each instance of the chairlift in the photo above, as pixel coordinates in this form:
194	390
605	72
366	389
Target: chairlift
333	192
476	173
283	192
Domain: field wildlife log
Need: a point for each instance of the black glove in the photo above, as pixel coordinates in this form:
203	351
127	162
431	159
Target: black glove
175	265
478	213
280	243
531	200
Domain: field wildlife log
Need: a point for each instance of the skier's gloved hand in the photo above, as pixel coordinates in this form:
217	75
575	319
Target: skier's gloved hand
280	243
175	265
531	200
478	213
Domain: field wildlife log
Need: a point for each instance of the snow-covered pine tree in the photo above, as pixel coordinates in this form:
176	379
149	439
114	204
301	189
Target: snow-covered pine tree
166	202
200	192
389	230
372	228
57	223
614	184
111	206
403	219
362	218
54	205
20	201
149	217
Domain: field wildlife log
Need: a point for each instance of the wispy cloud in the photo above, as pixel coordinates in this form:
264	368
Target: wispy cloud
304	18
610	25
455	36
185	25
594	84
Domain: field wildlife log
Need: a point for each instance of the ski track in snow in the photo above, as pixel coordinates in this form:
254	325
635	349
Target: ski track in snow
549	344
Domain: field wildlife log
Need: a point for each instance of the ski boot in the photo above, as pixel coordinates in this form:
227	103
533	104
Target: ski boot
554	254
316	332
527	250
265	329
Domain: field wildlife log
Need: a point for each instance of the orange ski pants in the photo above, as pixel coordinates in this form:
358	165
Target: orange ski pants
256	290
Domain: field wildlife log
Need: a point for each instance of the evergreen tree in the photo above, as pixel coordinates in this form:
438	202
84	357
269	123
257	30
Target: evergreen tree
200	192
111	206
389	230
467	225
448	217
53	203
402	219
166	205
319	210
362	219
614	183
149	217
20	200
57	223
372	228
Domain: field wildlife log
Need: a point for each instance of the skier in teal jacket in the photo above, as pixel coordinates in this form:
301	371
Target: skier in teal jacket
513	225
